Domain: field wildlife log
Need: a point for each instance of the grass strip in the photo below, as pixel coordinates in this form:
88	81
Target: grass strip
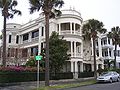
54	87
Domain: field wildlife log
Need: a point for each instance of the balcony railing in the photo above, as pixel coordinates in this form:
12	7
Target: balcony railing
77	54
69	32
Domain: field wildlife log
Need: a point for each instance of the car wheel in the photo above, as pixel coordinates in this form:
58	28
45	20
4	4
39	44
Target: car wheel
118	79
111	80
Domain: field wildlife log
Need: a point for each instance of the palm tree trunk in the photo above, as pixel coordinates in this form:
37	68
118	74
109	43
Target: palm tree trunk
94	55
47	50
115	56
4	43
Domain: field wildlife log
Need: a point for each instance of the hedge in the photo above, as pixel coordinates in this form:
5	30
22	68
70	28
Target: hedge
7	77
85	74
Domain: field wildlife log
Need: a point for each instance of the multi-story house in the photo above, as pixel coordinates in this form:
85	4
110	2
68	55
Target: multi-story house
29	38
108	50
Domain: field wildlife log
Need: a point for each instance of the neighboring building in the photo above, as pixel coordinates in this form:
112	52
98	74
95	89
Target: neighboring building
108	50
28	39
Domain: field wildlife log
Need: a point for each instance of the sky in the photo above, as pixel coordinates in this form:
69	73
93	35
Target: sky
106	11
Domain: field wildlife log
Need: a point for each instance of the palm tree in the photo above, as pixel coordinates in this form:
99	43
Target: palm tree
114	34
49	9
90	30
8	11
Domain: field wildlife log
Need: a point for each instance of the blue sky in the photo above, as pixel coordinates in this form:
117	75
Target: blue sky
106	11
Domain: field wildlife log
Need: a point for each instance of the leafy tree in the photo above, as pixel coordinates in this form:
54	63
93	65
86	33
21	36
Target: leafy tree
114	34
58	52
8	11
90	30
31	62
49	9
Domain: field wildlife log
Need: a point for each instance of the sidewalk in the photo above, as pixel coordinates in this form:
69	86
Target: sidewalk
32	85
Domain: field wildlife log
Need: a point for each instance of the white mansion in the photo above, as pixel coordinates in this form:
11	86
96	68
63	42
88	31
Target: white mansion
108	50
24	41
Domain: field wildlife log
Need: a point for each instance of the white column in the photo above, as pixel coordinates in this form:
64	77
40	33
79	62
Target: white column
80	31
39	42
71	28
92	45
76	66
30	36
72	66
59	29
112	53
99	47
107	40
108	52
81	67
102	66
76	70
74	28
21	39
92	67
81	50
71	49
97	66
110	41
75	49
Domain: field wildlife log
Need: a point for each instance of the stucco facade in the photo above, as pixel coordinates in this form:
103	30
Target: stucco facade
30	37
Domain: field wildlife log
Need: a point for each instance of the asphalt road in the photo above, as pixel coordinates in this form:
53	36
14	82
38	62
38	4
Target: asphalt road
99	86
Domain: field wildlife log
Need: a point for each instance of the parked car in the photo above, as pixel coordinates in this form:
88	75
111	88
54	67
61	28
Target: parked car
110	76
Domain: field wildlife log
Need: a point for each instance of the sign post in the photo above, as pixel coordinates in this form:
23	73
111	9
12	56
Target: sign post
38	58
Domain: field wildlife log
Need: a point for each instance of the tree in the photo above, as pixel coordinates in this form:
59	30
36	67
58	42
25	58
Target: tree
90	30
58	52
8	11
114	34
49	9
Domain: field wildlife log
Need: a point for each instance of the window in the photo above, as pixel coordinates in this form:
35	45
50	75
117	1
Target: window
108	41
42	45
101	42
118	54
105	42
34	50
10	36
24	52
110	53
106	53
65	26
17	39
35	34
58	27
97	52
77	26
42	33
96	43
25	37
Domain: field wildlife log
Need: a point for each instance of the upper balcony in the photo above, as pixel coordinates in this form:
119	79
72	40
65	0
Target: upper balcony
69	28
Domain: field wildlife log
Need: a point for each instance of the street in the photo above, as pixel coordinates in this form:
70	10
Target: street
99	86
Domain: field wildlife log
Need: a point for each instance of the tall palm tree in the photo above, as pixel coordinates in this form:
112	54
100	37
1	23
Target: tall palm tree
90	30
8	11
114	34
49	9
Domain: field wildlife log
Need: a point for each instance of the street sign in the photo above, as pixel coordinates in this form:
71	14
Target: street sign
39	57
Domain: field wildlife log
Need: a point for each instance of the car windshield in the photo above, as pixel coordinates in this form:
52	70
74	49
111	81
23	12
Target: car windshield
106	74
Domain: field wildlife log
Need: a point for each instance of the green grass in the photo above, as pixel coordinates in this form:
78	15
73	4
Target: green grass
67	85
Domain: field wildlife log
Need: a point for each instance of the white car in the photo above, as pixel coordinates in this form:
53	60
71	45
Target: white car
108	77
